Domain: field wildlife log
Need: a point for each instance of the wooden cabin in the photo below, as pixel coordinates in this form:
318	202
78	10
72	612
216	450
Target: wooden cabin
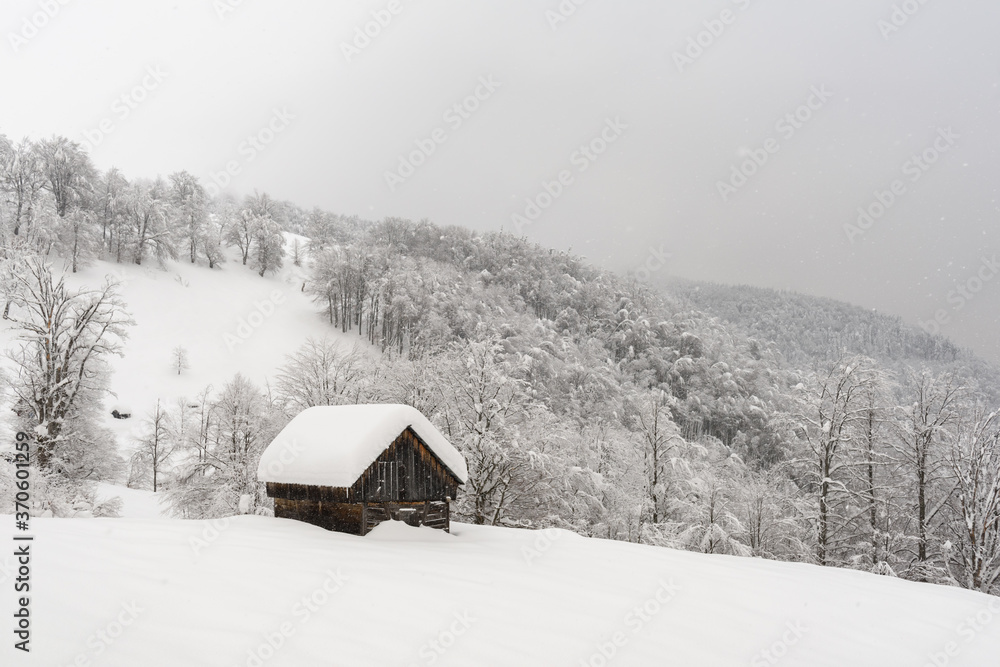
349	468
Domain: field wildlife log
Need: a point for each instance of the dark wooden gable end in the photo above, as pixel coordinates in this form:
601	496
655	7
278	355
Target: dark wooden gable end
407	482
407	471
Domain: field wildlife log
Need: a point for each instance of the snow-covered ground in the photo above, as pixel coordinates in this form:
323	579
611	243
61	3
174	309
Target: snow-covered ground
230	320
136	503
256	591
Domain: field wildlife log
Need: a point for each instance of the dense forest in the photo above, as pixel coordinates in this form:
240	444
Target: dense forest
701	417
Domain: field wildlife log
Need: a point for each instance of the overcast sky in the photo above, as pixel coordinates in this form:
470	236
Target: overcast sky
666	120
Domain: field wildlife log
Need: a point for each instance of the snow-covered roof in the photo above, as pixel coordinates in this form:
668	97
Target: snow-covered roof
334	445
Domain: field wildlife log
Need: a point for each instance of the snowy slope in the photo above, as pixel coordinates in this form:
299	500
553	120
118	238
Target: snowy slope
230	320
135	503
254	591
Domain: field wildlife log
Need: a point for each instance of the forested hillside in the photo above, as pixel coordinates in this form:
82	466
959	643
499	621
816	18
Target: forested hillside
580	399
807	330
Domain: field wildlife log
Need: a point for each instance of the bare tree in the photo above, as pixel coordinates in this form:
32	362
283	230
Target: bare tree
237	426
649	417
157	445
873	475
974	459
64	338
483	408
321	373
835	411
921	448
179	355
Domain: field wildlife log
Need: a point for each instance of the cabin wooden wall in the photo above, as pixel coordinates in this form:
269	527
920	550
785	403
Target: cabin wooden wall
407	482
341	517
361	518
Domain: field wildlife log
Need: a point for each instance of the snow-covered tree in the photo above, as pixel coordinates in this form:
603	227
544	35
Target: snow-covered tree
21	180
921	449
225	482
974	460
240	231
68	173
156	445
834	410
648	417
109	206
76	238
483	410
179	359
147	214
187	197
773	512
267	245
64	339
707	507
214	240
14	252
321	372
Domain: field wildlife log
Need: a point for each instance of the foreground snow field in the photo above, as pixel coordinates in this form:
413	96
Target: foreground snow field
254	591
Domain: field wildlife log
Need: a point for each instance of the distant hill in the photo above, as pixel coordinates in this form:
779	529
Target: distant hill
807	329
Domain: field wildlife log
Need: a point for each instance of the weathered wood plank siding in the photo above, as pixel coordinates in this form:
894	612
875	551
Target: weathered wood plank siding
341	517
407	482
